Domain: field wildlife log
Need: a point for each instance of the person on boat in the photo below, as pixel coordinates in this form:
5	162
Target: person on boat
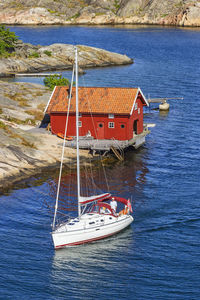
102	210
113	204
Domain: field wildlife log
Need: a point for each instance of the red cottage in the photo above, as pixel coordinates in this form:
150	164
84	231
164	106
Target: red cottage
104	112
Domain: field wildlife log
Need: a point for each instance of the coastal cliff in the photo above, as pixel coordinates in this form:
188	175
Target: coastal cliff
36	12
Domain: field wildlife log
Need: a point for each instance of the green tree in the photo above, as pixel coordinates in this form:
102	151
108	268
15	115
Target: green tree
54	80
7	40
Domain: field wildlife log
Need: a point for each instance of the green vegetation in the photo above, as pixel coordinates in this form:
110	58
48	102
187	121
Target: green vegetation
51	11
76	15
21	122
19	98
180	4
99	14
116	6
164	15
34	55
55	80
15	135
36	113
48	53
41	106
7	40
2	125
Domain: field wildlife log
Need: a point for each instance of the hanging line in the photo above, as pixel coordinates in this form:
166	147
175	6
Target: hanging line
101	159
63	150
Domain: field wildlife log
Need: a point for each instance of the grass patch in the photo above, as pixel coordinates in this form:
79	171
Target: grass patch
14	120
26	143
180	4
36	113
28	121
164	15
34	55
41	106
48	53
3	126
76	15
14	135
19	98
99	14
51	11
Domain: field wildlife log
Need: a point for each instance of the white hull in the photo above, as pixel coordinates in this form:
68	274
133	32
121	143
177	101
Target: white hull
88	229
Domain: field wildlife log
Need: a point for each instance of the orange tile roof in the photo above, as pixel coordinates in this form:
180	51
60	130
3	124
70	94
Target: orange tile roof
94	99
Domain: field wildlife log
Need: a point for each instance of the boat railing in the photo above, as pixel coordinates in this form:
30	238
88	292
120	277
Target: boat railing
63	220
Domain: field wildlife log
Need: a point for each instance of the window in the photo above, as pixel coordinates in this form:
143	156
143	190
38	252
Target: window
122	125
80	115
110	116
100	125
138	110
79	123
136	106
111	125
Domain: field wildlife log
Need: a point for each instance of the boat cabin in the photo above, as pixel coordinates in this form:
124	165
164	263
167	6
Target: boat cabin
101	204
105	113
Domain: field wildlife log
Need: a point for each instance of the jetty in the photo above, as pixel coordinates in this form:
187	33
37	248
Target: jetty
107	144
163	104
35	74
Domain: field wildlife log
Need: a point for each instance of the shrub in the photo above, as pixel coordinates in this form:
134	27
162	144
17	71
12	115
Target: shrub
7	40
34	55
54	80
48	53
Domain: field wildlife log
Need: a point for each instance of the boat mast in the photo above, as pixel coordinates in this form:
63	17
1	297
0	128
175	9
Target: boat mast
63	151
77	134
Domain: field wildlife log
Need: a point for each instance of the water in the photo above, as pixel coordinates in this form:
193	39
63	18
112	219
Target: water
158	256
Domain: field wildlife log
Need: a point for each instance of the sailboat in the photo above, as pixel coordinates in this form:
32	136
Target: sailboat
98	217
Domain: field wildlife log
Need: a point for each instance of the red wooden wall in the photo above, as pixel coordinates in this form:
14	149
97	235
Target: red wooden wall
98	124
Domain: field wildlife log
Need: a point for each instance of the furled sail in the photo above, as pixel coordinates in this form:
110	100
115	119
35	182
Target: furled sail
86	200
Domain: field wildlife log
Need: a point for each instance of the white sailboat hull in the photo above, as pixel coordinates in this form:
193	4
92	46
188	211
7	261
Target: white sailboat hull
85	231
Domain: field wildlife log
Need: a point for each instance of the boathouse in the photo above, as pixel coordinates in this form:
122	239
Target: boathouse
105	113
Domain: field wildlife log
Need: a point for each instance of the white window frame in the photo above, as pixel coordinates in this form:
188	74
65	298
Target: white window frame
111	124
138	110
79	123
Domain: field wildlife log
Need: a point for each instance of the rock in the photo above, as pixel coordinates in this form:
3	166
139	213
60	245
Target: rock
37	12
18	114
25	150
192	16
34	59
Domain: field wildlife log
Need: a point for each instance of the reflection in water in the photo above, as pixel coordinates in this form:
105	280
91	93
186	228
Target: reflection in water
93	253
80	268
163	114
125	179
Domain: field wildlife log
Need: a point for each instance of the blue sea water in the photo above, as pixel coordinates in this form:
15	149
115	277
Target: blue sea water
158	256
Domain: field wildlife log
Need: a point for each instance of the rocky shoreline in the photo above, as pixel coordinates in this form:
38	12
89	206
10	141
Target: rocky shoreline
26	149
92	12
28	58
